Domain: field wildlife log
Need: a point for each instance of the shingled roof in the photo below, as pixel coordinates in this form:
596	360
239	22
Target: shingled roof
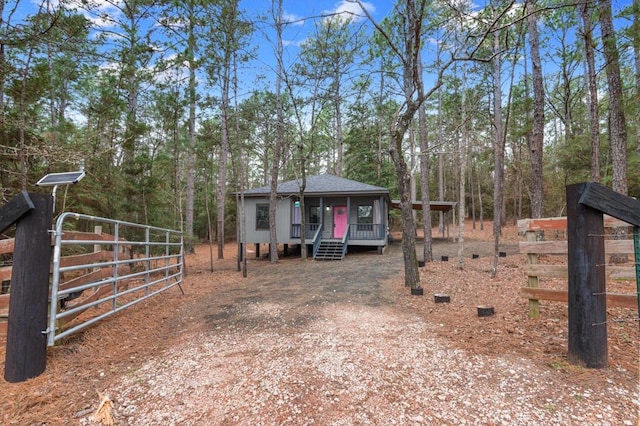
322	185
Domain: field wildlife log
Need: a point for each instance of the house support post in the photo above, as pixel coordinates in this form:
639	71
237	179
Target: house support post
257	250
587	302
349	214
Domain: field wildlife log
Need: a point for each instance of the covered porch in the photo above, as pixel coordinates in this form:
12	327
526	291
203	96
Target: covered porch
362	220
337	211
336	222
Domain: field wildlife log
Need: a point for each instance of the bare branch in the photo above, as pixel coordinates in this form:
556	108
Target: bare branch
382	32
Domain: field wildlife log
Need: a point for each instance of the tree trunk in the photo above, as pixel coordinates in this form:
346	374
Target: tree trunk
636	55
567	111
617	121
191	156
303	218
498	147
537	138
412	82
462	163
440	153
242	164
586	8
22	144
339	135
618	130
230	35
379	126
472	194
209	224
408	86
131	132
273	241
3	66
221	188
427	250
52	107
480	206
411	273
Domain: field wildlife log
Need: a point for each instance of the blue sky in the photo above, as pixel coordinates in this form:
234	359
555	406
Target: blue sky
300	29
302	14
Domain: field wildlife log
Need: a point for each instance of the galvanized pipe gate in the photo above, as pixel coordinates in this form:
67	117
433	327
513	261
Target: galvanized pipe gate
103	273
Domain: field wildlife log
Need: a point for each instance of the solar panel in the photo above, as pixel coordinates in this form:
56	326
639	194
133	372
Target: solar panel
61	178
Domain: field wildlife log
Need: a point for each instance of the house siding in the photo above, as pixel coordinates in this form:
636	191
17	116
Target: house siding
283	221
284	218
326	192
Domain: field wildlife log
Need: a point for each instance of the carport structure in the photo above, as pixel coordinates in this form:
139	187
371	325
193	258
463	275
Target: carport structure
435	206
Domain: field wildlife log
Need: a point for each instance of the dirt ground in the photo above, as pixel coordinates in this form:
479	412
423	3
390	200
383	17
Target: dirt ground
339	343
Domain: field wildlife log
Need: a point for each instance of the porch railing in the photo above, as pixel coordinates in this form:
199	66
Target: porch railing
317	237
345	241
366	231
310	230
357	231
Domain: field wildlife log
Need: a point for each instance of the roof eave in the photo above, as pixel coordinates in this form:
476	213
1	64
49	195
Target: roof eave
318	194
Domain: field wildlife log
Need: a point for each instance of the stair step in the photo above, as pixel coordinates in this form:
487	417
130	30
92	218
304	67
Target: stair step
329	250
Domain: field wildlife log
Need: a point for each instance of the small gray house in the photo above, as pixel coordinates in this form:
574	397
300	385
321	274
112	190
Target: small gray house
339	213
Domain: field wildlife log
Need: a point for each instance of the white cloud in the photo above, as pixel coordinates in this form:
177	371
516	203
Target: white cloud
110	67
349	10
101	13
290	18
295	43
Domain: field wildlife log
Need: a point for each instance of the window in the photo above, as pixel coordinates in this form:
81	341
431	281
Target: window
365	214
262	216
314	214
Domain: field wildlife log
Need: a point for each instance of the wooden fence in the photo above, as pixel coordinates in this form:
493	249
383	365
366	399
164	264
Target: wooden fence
6	249
546	249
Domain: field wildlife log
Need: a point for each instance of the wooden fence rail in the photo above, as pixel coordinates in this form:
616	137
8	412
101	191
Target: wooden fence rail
553	250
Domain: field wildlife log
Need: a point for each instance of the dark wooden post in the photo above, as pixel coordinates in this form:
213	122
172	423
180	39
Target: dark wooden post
26	342
587	284
17	207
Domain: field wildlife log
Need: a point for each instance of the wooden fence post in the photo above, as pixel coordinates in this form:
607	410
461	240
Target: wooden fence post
17	207
587	284
532	282
26	343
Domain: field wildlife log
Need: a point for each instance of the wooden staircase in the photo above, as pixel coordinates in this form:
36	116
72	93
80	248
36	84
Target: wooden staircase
329	250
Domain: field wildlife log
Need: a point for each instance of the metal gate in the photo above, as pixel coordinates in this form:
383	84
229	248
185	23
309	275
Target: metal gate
102	266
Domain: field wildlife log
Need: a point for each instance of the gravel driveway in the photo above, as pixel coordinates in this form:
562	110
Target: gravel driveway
340	343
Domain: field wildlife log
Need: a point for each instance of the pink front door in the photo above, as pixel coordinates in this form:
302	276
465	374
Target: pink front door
340	221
